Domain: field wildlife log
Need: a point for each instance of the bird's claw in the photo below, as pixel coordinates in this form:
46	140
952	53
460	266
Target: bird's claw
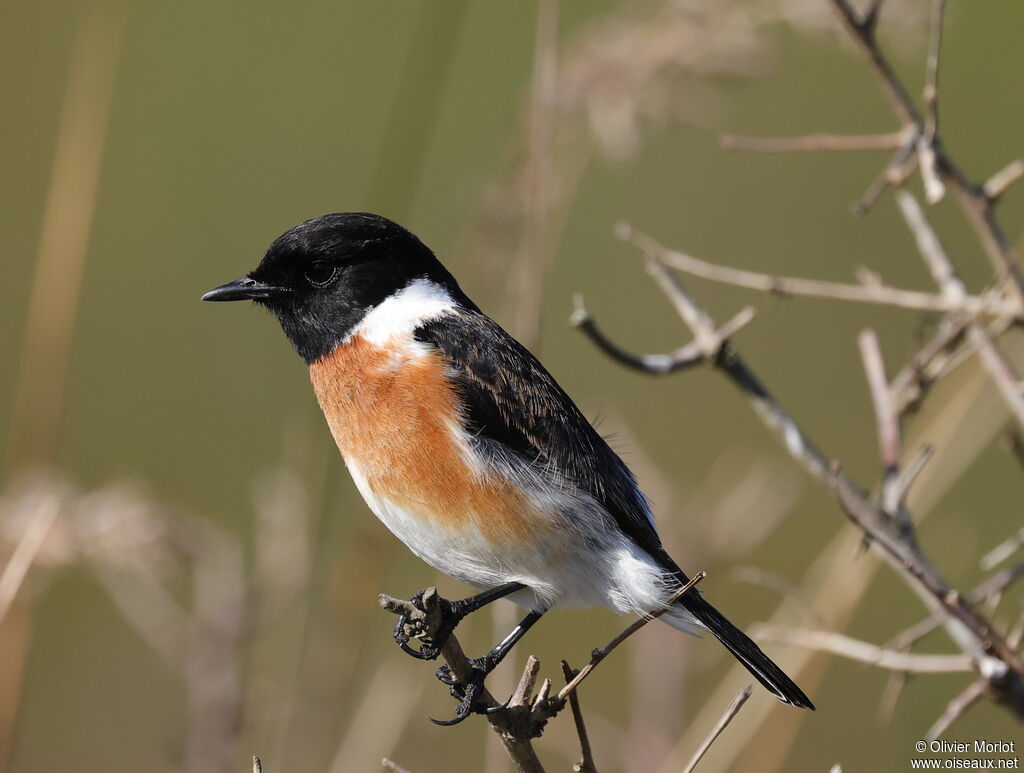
467	693
425	652
445	675
406	629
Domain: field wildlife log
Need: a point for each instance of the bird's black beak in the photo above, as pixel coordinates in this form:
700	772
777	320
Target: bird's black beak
244	289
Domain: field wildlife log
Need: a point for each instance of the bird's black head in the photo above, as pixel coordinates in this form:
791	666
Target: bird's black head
323	276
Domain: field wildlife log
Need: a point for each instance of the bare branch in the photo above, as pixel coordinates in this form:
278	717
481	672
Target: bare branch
767	408
523	717
600	654
930	247
992	655
658	364
865	652
975	635
540	702
427	616
1005	379
897	483
996	185
931	83
997	583
891	695
927	365
889	445
815	288
523	691
393	766
586	763
901	165
1016	634
862	32
999	368
987	650
926	147
975	202
900	486
871	14
691	312
1003	550
730	713
931	177
815	142
957	707
985	590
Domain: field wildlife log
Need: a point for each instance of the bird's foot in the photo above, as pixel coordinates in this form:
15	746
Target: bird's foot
408	628
468	692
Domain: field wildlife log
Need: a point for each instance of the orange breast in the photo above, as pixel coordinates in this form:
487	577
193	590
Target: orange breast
394	414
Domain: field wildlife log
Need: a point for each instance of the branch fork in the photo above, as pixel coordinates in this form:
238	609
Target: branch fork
526	713
884	520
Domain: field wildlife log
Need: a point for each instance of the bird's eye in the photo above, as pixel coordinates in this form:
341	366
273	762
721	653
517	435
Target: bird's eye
320	273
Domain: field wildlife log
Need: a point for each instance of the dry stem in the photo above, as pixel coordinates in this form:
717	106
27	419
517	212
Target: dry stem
879	294
865	652
730	712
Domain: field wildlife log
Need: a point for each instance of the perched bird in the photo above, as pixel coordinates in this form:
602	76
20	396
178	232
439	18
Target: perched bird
464	445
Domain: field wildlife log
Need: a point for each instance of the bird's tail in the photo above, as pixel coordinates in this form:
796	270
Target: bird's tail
741	646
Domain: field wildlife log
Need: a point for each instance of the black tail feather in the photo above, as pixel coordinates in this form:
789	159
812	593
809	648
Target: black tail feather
746	652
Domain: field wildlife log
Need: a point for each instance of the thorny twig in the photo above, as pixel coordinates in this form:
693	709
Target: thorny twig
945	276
512	725
884	520
524	716
978	201
885	523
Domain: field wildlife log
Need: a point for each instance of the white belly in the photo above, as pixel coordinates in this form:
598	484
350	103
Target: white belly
558	565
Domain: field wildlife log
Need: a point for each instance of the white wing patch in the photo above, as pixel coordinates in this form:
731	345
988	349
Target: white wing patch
403	312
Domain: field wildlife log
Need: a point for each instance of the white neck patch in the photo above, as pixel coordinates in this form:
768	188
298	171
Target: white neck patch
403	312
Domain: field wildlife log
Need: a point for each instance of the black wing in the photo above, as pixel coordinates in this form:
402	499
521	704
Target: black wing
509	397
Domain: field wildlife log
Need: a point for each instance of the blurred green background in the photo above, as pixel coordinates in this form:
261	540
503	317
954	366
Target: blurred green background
230	122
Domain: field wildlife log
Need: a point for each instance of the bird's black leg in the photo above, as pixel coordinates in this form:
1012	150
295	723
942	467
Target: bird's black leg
468	692
452	614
